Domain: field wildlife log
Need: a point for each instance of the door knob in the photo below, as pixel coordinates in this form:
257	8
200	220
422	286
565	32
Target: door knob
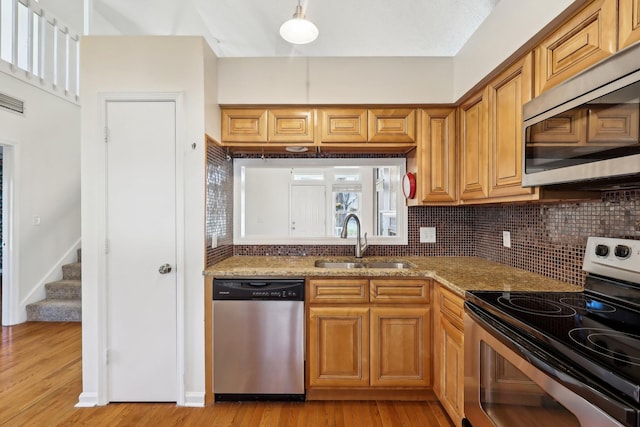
164	269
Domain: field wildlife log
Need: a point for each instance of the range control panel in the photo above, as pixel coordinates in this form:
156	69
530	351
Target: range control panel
616	258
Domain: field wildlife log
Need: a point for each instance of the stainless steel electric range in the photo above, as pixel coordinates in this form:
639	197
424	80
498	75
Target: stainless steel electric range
559	358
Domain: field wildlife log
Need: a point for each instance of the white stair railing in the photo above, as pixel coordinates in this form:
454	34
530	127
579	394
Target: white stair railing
37	48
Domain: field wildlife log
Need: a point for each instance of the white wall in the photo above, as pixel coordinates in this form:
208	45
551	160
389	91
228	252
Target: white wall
390	79
506	29
143	64
334	80
46	142
69	11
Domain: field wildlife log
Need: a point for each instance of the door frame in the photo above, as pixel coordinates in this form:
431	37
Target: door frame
10	234
102	309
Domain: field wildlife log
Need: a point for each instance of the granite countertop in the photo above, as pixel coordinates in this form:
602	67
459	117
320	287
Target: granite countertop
460	274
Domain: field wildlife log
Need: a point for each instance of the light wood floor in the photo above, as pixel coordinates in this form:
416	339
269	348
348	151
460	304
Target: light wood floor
40	381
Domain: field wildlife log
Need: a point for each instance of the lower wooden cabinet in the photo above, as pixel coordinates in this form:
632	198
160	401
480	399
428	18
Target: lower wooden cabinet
449	353
338	346
382	343
400	346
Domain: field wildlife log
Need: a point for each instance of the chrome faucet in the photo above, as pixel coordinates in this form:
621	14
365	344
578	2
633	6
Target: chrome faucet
360	248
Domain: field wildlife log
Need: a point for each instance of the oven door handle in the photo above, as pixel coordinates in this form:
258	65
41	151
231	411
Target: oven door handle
553	367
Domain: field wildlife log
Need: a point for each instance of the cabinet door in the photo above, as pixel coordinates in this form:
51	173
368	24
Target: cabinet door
291	125
347	125
586	38
244	125
450	355
628	22
392	125
338	347
507	94
400	347
437	151
473	148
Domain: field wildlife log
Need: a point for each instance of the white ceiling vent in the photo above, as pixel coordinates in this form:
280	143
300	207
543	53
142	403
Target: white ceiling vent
12	104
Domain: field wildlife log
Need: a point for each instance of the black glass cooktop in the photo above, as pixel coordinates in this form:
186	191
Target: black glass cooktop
600	336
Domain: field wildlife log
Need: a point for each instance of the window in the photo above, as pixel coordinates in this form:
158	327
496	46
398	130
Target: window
294	201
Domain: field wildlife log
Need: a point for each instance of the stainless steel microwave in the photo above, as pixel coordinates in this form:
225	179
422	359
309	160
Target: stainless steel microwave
584	133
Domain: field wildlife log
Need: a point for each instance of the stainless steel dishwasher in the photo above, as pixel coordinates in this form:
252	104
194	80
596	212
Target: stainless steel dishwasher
258	339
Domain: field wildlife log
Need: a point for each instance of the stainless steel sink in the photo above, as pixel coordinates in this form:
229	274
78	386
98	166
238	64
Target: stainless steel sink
389	264
333	264
364	264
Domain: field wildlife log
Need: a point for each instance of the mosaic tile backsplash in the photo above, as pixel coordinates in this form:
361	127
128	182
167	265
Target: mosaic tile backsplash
548	239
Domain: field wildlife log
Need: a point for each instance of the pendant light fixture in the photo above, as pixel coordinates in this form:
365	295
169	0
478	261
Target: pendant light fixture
299	30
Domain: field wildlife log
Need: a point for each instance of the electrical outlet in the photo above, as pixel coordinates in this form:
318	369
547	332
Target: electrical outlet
213	241
506	239
427	234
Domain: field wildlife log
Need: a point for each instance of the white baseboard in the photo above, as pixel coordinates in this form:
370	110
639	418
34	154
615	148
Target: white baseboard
194	399
87	400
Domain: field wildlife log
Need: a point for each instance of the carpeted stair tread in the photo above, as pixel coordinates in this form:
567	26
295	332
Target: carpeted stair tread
72	271
64	289
55	310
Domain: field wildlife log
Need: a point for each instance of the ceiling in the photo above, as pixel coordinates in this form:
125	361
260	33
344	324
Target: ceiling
353	28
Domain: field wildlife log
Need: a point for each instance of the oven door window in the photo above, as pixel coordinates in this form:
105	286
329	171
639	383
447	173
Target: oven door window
508	396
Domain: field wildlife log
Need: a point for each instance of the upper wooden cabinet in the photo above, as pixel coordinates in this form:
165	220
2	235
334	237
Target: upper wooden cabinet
392	125
435	158
507	94
291	125
253	126
586	38
244	125
628	22
473	152
343	125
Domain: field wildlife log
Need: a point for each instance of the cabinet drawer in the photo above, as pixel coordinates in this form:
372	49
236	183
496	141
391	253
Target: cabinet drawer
451	306
244	125
343	125
338	291
405	291
291	125
392	125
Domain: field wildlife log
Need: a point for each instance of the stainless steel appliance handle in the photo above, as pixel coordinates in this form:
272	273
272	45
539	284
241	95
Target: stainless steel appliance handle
552	366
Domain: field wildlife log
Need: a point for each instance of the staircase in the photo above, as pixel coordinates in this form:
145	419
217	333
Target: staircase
63	302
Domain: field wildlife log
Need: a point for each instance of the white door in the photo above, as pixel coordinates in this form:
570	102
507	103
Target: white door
141	237
308	210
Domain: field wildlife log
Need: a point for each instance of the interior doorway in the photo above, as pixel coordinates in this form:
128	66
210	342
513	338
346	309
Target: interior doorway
8	295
